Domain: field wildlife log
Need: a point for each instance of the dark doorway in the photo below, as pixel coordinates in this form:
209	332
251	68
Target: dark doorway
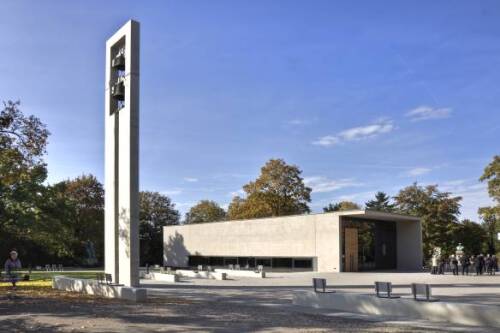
376	244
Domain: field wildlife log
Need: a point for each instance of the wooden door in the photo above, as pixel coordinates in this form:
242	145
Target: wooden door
351	250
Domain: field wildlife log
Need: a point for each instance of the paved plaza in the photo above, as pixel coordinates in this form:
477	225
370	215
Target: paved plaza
464	289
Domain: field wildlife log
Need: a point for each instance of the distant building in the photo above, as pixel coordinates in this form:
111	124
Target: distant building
347	241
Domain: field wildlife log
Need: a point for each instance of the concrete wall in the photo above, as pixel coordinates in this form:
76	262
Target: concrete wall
409	245
314	236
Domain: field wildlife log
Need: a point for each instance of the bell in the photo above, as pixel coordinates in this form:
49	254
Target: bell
118	91
118	62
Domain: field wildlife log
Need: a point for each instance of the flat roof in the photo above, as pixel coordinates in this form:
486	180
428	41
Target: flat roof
356	213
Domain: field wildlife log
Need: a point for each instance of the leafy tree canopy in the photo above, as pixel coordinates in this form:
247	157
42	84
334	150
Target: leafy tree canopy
438	212
205	211
380	203
492	175
278	191
341	206
156	211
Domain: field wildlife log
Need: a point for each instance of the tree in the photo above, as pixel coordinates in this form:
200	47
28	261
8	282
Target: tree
471	235
205	211
381	203
278	191
23	141
491	227
156	211
85	198
492	175
341	206
438	212
491	215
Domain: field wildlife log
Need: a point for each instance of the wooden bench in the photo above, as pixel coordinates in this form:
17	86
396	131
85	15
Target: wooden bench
422	292
384	290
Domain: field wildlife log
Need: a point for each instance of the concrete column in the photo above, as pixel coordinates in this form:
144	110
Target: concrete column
122	160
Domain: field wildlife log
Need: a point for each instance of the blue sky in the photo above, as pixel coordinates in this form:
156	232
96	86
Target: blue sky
362	96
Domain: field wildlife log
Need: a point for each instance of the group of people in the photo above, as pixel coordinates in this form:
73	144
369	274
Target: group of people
479	264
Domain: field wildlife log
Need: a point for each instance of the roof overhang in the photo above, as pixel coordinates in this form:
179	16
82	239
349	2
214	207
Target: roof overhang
376	215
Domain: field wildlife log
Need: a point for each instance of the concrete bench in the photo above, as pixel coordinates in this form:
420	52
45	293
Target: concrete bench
422	292
201	274
92	287
384	290
164	277
242	273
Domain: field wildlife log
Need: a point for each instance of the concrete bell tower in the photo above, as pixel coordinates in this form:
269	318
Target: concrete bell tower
122	156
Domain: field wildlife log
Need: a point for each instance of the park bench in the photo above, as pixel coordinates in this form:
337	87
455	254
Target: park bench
422	292
319	286
384	290
104	278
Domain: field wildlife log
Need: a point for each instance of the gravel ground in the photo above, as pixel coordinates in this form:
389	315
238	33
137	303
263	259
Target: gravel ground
56	311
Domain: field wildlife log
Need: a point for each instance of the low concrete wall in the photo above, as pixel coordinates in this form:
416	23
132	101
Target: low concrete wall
458	313
92	287
241	273
162	277
201	274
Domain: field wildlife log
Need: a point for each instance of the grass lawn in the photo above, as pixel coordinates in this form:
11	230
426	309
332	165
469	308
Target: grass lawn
41	282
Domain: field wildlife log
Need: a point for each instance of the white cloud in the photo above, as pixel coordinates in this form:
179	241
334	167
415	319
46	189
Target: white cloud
426	112
239	193
418	171
357	133
474	195
191	179
327	141
297	122
320	184
174	191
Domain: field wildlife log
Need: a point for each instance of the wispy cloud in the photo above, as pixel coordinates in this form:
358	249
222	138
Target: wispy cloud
426	113
419	171
173	191
297	122
357	133
321	184
239	193
474	195
191	179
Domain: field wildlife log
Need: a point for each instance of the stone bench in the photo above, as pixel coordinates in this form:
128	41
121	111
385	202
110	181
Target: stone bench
201	274
93	287
164	277
241	273
452	312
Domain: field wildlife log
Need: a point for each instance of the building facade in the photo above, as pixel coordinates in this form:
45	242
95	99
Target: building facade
348	241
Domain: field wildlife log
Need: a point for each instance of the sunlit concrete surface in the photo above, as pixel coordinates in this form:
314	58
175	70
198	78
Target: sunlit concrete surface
92	287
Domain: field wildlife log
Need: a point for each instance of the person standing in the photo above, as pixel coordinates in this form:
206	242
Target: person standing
454	265
465	265
479	264
494	263
487	264
12	264
434	261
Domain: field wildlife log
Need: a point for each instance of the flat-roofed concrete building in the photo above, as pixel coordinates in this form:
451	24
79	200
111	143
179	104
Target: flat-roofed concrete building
347	241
